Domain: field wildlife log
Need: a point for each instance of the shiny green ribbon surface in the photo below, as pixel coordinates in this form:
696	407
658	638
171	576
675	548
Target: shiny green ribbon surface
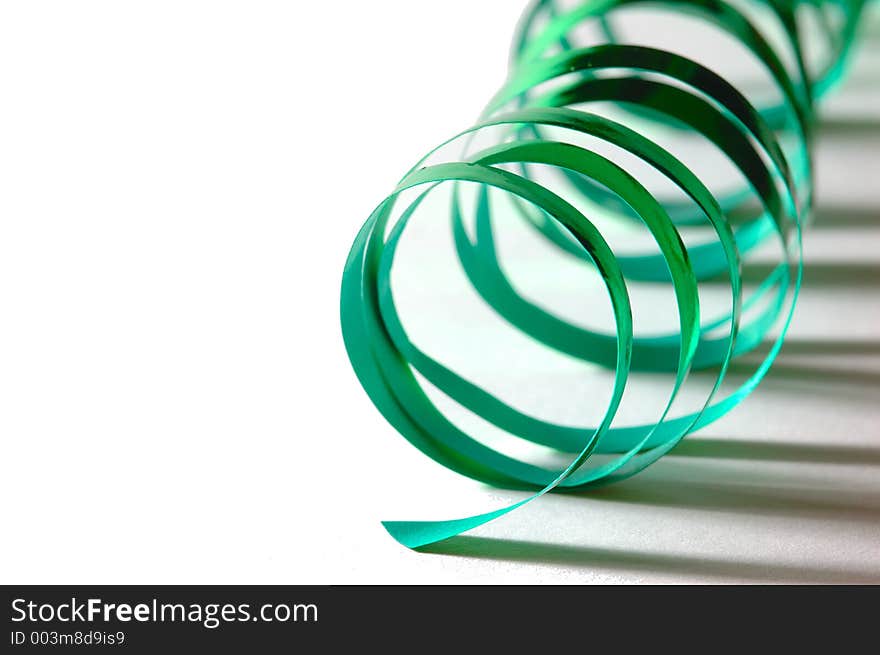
537	121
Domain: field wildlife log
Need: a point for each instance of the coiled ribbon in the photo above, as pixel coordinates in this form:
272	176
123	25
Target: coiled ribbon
536	120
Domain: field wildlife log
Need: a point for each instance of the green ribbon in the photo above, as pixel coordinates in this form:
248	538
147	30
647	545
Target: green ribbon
549	91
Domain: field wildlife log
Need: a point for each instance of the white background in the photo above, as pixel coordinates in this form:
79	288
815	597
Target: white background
179	186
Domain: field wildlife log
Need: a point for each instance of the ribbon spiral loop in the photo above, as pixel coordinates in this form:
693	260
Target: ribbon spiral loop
548	119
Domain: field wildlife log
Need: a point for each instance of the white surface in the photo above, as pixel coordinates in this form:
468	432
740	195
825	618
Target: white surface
179	186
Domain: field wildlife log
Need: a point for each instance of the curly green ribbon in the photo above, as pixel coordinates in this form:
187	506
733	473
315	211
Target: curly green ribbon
770	146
